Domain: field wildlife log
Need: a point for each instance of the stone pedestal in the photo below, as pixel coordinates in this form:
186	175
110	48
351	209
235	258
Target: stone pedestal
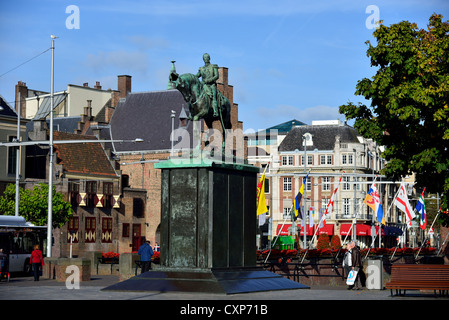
208	232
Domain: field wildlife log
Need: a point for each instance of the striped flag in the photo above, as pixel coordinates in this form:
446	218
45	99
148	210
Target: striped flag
421	208
330	205
372	200
403	204
261	204
298	198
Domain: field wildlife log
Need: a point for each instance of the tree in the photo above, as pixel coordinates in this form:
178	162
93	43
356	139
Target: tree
409	102
33	205
323	241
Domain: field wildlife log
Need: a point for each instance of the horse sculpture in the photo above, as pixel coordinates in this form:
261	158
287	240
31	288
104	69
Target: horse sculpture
200	103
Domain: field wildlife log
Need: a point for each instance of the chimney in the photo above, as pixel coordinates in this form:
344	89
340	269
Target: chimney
86	84
223	75
21	87
124	85
97	85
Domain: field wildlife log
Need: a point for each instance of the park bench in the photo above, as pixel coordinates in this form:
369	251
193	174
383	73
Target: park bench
419	277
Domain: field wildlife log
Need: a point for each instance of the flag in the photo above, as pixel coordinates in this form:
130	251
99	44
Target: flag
330	205
403	204
296	205
421	209
372	200
312	216
261	205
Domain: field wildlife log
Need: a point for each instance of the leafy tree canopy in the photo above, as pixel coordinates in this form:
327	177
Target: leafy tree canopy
409	102
33	205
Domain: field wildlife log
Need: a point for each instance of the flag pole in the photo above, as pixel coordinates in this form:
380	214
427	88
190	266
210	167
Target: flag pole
321	220
313	238
442	245
427	234
277	236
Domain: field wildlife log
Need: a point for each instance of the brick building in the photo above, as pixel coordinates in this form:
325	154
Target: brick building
150	116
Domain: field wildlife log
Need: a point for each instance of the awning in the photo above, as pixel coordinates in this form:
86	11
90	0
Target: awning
382	231
361	229
327	229
309	229
285	230
393	231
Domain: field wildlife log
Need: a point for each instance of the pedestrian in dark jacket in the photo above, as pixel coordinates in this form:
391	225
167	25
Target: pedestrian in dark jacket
145	252
37	261
356	264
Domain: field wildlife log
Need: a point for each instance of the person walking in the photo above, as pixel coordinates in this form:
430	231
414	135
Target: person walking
356	264
145	252
347	261
37	261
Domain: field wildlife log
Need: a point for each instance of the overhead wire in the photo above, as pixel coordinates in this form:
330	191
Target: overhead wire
1	75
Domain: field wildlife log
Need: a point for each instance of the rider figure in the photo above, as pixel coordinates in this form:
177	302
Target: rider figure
209	76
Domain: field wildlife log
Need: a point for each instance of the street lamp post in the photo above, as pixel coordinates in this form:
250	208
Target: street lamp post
50	166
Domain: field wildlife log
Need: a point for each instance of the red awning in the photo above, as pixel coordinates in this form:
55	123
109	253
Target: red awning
309	229
345	229
361	229
327	229
284	231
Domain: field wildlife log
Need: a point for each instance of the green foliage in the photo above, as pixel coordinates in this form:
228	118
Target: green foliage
335	242
409	99
33	205
323	241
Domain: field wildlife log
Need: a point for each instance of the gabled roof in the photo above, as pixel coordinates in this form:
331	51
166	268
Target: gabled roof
323	137
147	115
6	110
82	158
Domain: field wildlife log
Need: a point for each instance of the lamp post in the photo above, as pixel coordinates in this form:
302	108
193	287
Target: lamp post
354	229
50	165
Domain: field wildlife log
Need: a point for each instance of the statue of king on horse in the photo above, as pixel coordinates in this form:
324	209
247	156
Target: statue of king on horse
204	99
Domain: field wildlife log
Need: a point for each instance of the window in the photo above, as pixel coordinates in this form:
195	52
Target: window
346	185
108	191
125	230
138	207
287	213
91	193
346	206
73	229
326	183
12	156
329	159
267	185
324	203
347	158
287	184
74	189
89	230
322	160
287	160
309	160
106	230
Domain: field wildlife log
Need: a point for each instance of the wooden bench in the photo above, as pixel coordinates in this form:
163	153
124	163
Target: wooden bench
419	277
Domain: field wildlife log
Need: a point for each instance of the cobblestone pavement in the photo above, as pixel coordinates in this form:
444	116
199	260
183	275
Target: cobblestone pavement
25	288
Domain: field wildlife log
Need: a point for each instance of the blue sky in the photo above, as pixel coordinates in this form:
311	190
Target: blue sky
286	59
